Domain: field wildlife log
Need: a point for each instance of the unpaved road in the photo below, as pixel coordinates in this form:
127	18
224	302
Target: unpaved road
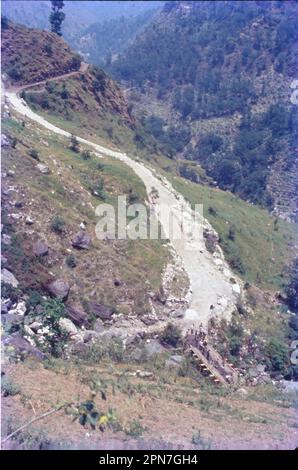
83	68
209	275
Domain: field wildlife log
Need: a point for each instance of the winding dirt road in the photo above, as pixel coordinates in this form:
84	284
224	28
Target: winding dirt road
211	292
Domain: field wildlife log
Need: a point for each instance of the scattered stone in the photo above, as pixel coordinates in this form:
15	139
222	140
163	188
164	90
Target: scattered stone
20	309
218	261
40	248
44	169
11	173
98	326
101	311
77	315
79	348
81	240
15	216
264	379
35	326
4	260
261	368
178	314
29	220
59	289
144	374
153	348
174	361
5	142
4	309
28	331
159	296
8	303
9	278
6	239
149	319
88	335
82	226
236	289
242	391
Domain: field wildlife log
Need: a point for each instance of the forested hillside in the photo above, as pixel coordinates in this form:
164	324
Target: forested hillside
101	41
93	28
218	78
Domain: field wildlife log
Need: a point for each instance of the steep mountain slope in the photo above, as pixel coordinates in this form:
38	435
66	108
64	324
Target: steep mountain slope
101	42
93	314
30	56
218	75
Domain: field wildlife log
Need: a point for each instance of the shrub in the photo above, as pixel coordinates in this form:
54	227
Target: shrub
55	339
292	287
8	388
212	211
71	261
98	85
34	298
132	196
57	224
135	429
15	72
97	189
9	292
200	442
86	154
76	61
171	335
34	154
48	48
277	356
64	93
74	144
231	233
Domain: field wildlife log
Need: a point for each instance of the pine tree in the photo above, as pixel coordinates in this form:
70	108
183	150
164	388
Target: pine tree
57	16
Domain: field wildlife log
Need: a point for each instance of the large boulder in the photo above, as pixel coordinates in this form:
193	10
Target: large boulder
101	311
22	347
6	239
81	240
8	278
59	289
153	348
67	326
40	248
77	315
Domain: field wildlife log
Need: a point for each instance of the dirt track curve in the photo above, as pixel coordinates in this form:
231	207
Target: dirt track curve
209	274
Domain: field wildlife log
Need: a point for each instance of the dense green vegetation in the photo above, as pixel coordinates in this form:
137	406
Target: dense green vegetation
221	60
